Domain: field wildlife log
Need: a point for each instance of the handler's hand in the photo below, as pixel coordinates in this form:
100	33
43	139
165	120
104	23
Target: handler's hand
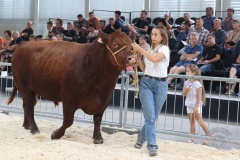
135	46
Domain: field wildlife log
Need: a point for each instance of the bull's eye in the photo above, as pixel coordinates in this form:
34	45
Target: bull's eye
115	45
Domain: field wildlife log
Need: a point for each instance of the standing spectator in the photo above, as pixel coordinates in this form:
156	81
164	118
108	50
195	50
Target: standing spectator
58	28
93	20
191	55
70	35
208	20
47	30
227	22
27	31
153	86
82	25
142	24
220	34
195	99
210	56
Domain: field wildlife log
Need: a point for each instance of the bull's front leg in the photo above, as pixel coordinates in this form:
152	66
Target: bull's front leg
97	136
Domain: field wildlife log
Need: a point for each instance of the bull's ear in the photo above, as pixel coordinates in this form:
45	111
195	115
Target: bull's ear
103	36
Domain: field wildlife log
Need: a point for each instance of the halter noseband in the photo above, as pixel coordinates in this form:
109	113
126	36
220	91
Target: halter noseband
114	53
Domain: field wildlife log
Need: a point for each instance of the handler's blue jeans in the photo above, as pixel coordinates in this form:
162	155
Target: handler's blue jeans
153	94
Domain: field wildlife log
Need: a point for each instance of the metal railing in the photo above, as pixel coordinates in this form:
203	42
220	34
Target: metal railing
221	114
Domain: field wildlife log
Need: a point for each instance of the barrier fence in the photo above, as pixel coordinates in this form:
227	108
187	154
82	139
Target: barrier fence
221	113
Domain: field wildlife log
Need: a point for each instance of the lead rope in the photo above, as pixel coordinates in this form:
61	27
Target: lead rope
136	74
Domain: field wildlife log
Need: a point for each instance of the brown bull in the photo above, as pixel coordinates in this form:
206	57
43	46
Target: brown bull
80	75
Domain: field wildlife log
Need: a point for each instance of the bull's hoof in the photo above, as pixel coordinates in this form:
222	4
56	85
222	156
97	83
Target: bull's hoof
26	127
35	132
54	136
98	141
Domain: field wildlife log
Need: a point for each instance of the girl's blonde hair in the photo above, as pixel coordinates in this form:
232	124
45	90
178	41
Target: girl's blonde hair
163	32
194	68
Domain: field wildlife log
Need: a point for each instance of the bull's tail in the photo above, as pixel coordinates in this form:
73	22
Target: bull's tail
14	91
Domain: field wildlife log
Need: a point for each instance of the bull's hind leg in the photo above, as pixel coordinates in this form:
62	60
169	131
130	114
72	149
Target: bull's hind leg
97	136
68	117
29	101
26	124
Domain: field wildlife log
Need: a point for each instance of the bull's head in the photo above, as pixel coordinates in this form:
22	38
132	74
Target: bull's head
119	48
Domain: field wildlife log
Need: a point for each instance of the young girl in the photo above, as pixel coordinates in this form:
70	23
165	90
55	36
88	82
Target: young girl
195	99
153	85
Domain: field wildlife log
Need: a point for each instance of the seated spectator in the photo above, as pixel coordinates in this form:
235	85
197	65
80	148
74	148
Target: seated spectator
27	31
232	38
38	37
93	20
57	29
227	22
82	25
130	30
220	34
70	35
182	31
32	38
13	45
200	30
208	20
236	51
191	55
114	25
93	32
58	37
141	26
186	17
185	27
165	22
102	26
48	30
210	56
6	42
234	72
76	28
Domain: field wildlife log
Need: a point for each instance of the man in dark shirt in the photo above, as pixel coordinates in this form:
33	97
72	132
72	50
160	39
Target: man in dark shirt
142	24
220	34
102	26
114	25
210	56
27	31
82	24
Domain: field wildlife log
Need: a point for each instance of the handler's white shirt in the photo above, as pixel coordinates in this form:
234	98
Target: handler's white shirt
158	69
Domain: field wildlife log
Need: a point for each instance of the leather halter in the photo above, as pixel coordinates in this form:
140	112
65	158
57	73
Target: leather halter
114	53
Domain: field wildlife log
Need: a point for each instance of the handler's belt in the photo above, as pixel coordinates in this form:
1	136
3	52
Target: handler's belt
156	78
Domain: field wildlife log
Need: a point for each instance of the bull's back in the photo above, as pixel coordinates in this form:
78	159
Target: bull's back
41	66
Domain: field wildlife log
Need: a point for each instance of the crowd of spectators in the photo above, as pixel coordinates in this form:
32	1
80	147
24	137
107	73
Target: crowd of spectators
204	41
